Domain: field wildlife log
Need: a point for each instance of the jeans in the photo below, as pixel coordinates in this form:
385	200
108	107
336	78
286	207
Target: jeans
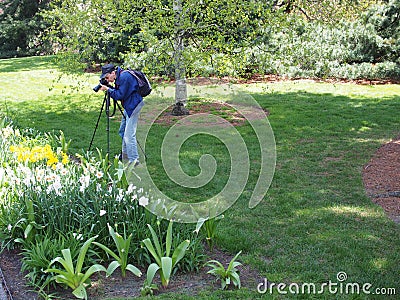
127	131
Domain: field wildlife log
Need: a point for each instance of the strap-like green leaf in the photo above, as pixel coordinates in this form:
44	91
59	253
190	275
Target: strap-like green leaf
107	250
27	230
235	279
153	252
211	263
112	267
200	223
166	269
236	264
65	280
80	292
91	270
179	252
233	260
168	241
156	241
134	270
82	254
57	271
151	272
219	272
67	261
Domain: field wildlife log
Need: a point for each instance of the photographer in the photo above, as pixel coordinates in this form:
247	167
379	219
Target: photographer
125	90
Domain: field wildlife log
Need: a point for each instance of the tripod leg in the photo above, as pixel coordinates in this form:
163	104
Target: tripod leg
97	124
140	146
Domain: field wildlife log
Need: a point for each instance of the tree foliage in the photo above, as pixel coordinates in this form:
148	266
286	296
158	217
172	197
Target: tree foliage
92	31
385	19
21	28
105	30
327	11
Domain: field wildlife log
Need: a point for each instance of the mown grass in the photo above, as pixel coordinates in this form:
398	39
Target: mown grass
315	220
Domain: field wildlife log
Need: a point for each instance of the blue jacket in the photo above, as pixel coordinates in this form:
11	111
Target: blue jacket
126	87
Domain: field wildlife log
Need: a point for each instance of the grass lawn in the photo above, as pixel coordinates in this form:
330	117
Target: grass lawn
314	222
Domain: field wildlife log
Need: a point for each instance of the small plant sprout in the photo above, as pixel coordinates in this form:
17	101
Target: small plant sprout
121	259
149	287
227	276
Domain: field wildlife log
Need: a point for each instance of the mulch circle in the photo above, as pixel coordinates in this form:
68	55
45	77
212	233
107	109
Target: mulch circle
381	177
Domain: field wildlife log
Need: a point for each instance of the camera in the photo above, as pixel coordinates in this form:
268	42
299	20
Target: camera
103	81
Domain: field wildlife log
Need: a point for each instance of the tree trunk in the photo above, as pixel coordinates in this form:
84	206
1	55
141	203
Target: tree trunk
180	70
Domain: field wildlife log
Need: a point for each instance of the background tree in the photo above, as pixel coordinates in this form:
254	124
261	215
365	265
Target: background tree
21	28
89	32
189	32
385	19
166	37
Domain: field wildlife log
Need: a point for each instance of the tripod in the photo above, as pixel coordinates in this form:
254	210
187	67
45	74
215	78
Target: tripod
106	104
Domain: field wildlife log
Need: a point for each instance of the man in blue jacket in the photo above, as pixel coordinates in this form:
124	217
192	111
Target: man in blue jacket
125	89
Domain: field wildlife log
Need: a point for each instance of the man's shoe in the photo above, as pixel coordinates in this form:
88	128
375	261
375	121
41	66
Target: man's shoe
132	164
135	163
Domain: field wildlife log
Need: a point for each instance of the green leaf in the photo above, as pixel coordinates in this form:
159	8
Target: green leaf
27	230
235	279
211	263
82	254
65	279
200	223
166	269
150	247
233	260
112	267
67	261
151	272
134	270
57	271
93	269
118	239
223	284
219	272
236	264
107	250
80	292
179	252
156	241
168	241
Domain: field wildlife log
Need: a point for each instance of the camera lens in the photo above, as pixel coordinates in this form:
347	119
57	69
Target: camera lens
97	88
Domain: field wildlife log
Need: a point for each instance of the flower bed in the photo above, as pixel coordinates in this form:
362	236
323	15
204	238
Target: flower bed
58	211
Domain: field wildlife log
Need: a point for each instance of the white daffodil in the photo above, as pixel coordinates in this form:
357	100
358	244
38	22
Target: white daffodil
99	174
131	188
143	201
